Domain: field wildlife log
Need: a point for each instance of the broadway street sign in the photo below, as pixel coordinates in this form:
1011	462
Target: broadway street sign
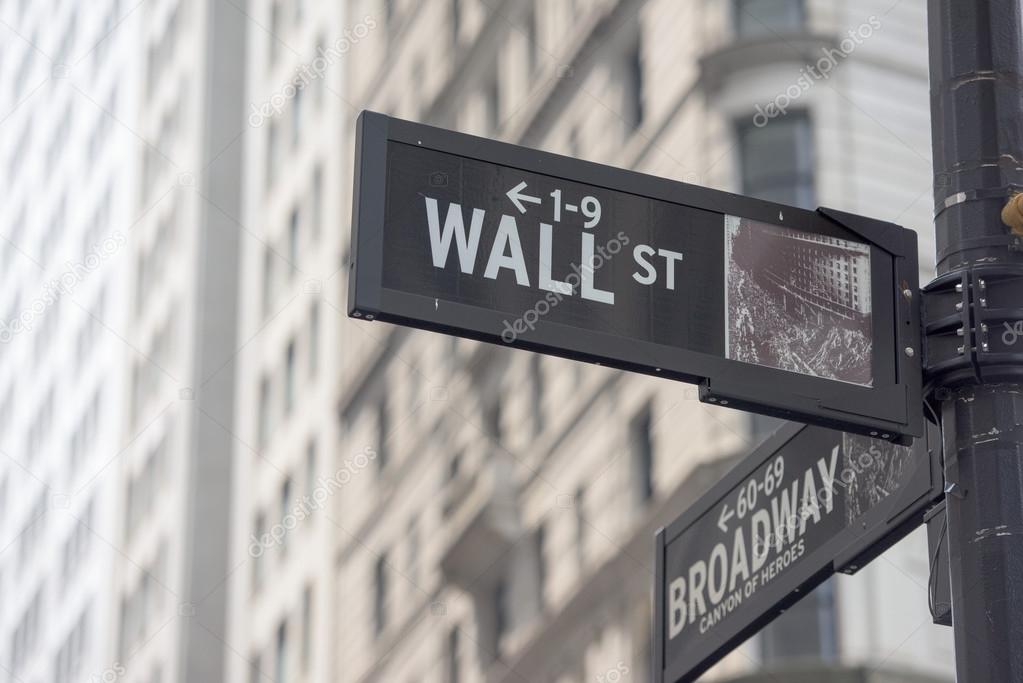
798	314
806	504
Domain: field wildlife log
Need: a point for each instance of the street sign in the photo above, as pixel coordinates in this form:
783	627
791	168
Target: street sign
807	503
793	313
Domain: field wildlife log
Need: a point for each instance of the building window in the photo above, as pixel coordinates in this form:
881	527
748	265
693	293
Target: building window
762	18
265	417
806	631
532	30
285	513
777	160
541	565
456	21
454	656
289	377
314	337
321	83
293	235
500	598
383	431
310	468
281	667
317	201
537	388
275	32
307	627
255	675
641	448
493	96
272	159
413	551
581	532
268	279
257	561
632	80
296	116
492	417
380	595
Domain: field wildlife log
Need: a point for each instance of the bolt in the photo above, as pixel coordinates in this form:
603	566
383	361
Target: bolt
908	293
910	352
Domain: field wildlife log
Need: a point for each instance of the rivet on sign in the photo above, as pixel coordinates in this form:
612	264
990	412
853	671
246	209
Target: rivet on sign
357	314
910	352
908	293
873	433
886	436
369	316
712	400
724	403
781	216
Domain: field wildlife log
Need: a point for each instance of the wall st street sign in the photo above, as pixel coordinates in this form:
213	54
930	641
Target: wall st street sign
771	309
807	503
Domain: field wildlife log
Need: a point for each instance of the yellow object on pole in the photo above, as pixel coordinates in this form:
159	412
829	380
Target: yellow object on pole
1012	213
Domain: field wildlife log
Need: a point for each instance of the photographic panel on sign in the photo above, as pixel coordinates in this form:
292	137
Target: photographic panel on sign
513	246
798	301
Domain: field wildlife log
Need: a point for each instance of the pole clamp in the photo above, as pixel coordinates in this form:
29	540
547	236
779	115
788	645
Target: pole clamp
973	326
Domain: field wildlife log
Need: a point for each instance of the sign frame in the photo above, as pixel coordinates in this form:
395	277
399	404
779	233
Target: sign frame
883	526
883	410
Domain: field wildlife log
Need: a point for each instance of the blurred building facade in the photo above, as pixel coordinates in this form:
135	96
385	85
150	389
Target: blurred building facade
67	206
120	259
281	622
207	472
503	532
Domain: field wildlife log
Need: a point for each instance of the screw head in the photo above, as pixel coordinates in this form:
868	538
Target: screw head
910	352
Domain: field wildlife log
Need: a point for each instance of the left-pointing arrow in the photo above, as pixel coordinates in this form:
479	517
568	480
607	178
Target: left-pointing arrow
516	197
726	515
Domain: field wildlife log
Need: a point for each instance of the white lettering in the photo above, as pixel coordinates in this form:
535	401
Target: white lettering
440	243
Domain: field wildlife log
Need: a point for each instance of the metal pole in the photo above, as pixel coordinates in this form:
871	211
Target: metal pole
976	67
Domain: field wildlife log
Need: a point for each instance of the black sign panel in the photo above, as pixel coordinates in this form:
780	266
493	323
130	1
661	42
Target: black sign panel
809	502
771	309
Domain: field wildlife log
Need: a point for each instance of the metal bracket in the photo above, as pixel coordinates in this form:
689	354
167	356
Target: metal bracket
973	326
